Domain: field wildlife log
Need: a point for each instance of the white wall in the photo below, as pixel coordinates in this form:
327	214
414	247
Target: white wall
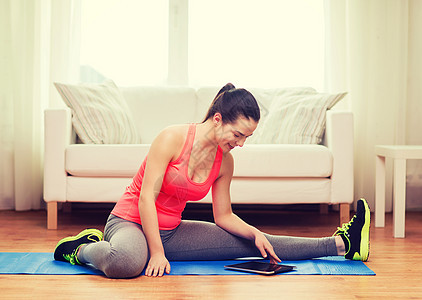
414	103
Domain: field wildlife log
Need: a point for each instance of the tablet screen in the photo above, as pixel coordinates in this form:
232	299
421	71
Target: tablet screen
260	267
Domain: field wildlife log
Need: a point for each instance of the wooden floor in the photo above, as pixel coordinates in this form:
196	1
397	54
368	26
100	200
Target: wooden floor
397	263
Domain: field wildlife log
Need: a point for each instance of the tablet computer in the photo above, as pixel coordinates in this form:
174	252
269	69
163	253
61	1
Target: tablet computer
260	267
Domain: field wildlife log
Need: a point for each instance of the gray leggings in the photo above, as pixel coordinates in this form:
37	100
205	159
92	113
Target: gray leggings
124	251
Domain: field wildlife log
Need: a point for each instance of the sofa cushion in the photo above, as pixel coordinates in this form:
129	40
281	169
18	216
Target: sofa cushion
100	114
250	160
105	160
275	160
272	190
242	190
296	117
96	189
155	108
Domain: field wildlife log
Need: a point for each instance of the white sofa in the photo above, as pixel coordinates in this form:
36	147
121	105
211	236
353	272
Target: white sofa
264	173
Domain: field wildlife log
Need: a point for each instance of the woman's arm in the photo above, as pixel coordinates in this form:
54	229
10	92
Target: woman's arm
160	154
226	219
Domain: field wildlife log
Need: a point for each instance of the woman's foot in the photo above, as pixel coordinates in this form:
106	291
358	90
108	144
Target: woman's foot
67	248
355	234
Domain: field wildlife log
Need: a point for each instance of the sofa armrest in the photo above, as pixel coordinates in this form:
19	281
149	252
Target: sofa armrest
339	139
58	134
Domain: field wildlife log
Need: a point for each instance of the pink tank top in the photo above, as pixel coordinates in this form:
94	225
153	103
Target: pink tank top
176	190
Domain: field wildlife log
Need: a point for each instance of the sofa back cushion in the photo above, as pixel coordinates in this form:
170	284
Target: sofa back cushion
294	115
205	96
155	108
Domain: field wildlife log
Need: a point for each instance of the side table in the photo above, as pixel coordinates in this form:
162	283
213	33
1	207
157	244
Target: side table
399	154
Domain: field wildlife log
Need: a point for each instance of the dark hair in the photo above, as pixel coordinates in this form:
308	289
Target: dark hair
232	103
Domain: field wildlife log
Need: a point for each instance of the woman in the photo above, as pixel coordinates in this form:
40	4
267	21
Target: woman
145	230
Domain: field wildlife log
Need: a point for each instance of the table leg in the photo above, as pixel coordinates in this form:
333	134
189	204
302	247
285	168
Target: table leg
399	197
379	191
389	174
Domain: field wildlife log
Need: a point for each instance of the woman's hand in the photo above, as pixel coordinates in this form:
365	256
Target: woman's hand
157	265
265	247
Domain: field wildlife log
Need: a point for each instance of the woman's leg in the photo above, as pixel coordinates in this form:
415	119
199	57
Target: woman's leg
122	254
197	240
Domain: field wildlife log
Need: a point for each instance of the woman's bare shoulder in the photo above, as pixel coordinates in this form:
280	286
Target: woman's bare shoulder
171	139
175	133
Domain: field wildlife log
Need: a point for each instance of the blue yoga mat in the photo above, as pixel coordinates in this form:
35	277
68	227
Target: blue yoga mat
44	264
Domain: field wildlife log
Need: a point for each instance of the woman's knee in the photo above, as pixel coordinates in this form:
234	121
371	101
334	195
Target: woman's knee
124	264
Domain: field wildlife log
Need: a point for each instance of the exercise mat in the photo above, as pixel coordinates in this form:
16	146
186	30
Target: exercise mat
37	263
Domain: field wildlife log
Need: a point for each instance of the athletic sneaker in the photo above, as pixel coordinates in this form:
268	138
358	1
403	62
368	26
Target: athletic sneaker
67	248
355	234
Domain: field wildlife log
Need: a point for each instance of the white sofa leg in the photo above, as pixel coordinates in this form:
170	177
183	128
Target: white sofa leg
52	215
344	213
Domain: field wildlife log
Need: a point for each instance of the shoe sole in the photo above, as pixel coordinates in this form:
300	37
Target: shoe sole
364	243
83	233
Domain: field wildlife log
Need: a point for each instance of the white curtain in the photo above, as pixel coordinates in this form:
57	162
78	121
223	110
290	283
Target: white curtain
368	47
35	41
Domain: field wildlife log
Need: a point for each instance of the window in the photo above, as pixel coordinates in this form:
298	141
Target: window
266	43
124	40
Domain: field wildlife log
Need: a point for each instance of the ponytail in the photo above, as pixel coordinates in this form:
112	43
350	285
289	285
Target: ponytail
233	103
227	87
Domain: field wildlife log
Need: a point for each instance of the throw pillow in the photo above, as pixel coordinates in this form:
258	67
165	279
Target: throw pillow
297	117
100	114
264	98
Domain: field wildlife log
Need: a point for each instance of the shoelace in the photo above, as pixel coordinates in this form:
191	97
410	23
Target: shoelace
71	257
345	227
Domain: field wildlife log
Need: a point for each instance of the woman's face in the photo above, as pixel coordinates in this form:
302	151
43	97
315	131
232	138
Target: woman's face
230	135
